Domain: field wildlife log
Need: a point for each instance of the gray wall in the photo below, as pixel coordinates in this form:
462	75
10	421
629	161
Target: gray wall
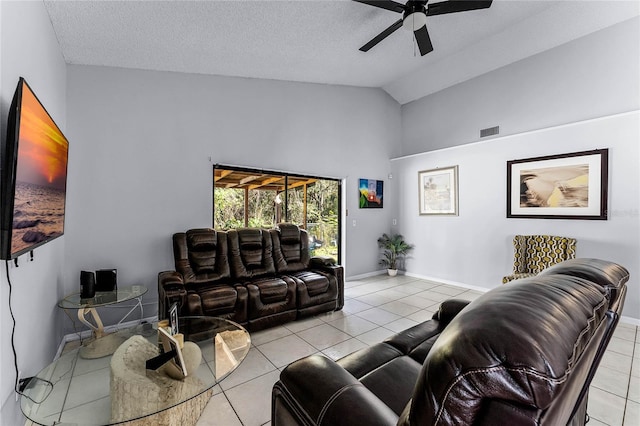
144	144
566	85
591	77
29	49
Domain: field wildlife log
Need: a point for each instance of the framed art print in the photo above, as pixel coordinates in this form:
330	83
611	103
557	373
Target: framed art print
438	191
566	186
370	193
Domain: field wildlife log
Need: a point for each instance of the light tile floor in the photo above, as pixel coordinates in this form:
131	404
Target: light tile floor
376	308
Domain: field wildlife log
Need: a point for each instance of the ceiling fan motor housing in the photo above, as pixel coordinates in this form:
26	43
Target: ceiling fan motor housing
415	15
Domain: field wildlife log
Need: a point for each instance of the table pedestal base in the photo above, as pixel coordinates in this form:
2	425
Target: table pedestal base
185	414
135	390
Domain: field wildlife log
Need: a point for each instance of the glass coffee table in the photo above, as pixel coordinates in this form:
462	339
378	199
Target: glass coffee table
76	390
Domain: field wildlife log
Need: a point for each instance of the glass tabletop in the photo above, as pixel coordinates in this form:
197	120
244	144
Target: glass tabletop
103	298
75	390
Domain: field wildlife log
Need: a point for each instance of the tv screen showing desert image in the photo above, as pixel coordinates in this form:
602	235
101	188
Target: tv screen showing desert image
41	177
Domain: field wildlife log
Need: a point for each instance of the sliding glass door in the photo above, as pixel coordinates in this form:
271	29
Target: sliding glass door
258	198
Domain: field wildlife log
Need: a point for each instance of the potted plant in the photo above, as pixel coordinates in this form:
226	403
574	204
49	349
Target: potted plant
395	248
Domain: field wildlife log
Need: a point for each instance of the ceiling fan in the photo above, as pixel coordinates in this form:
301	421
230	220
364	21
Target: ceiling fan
414	17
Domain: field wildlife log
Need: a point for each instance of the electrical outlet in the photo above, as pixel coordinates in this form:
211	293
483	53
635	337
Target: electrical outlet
395	222
354	222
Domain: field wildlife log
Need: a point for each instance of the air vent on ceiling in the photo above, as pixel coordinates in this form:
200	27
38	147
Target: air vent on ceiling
489	131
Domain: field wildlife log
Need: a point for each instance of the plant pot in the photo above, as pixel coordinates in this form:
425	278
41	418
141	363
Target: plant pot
392	272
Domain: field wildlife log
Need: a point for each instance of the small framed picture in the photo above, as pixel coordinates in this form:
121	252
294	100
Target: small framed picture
438	191
173	319
169	343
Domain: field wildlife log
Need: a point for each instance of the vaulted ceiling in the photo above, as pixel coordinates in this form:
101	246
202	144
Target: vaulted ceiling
317	41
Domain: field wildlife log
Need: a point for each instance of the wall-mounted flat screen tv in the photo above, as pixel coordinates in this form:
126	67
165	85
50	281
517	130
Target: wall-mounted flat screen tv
34	176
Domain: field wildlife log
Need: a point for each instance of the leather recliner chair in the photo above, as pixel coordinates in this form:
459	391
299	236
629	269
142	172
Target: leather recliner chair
316	291
272	300
202	282
521	354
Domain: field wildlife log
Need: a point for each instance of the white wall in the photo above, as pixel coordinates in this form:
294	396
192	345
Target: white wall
564	85
29	49
143	145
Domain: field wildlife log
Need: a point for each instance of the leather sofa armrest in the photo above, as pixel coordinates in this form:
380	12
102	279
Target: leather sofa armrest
316	390
170	289
328	265
170	280
322	262
449	309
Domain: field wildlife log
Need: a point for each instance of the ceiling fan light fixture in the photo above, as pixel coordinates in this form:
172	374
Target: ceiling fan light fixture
414	21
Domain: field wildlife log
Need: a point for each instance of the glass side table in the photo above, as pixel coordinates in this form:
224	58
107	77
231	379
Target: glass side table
102	343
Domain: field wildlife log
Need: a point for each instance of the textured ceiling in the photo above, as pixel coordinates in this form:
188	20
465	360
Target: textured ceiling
317	41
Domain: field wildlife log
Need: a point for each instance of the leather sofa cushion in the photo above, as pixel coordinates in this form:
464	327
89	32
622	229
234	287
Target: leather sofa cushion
251	248
393	382
362	362
316	283
272	290
201	256
609	275
201	244
219	298
291	248
250	253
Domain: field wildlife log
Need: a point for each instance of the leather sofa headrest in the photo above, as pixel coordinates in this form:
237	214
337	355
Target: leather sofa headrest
289	233
201	239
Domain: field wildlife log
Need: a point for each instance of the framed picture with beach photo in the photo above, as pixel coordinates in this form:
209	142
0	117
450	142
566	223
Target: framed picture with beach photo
565	186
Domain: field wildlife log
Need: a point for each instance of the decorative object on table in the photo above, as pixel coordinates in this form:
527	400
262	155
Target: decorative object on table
395	248
438	191
566	186
172	354
87	285
191	355
173	318
106	279
370	192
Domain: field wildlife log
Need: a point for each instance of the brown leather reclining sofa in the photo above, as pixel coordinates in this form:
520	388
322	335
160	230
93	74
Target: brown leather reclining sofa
256	277
521	354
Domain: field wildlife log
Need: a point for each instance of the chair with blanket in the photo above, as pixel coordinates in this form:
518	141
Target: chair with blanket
535	253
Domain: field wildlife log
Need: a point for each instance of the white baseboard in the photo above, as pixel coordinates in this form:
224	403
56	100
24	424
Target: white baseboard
367	275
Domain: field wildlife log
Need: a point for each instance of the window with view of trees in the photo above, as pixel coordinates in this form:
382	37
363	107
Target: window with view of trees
255	198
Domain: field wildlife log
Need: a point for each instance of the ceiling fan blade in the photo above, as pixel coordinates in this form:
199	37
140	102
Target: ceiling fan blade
384	4
423	40
377	39
453	6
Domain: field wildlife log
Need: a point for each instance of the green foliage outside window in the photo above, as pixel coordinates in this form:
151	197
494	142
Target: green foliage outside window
322	212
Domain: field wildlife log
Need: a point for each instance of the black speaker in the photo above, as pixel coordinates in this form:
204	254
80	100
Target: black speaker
106	279
87	285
